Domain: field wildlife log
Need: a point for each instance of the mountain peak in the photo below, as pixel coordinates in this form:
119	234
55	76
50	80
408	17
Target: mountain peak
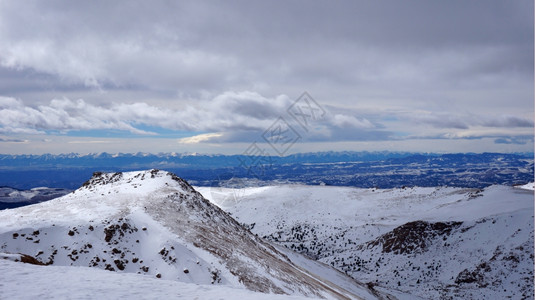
149	179
153	222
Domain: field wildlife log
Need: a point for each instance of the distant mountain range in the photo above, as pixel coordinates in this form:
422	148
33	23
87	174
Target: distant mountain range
184	160
359	169
12	198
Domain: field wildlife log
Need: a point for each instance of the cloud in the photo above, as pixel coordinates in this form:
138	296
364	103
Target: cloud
199	138
61	115
192	47
229	112
242	117
439	120
466	120
425	68
88	142
345	121
507	121
8	140
517	140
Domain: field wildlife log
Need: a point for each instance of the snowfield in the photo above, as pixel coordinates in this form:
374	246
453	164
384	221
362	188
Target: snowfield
26	281
154	224
429	242
528	186
149	235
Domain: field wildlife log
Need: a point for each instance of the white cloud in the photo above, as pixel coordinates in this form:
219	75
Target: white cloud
242	117
61	115
345	121
6	102
199	138
228	112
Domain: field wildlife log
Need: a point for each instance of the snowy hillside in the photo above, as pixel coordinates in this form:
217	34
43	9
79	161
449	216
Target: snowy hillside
431	242
156	224
59	282
12	198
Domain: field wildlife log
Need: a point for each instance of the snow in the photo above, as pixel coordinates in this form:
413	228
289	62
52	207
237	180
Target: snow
355	207
530	186
96	204
10	256
155	224
345	227
333	275
25	281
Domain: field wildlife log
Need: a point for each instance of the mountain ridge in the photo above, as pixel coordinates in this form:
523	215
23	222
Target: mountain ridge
435	243
155	223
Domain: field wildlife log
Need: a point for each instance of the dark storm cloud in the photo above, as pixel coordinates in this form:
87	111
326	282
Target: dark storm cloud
215	45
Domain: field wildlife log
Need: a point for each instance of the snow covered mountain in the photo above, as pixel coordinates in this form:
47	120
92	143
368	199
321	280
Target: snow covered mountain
12	198
60	282
435	243
156	224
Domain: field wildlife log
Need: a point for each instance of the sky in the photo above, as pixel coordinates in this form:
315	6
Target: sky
231	77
